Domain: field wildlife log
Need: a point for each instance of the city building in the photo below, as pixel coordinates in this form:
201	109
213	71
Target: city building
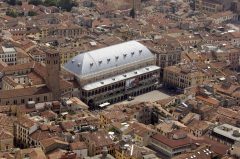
114	73
209	6
226	134
34	82
171	146
128	151
80	148
223	17
97	141
8	54
183	76
6	140
22	129
166	49
198	128
31	153
53	73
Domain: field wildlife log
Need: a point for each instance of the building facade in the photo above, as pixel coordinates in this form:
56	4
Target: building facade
209	6
170	146
22	129
53	72
6	140
183	77
8	55
114	73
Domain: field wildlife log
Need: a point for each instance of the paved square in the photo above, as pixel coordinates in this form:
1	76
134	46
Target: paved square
147	97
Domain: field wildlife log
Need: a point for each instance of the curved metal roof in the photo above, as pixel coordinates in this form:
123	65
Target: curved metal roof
107	58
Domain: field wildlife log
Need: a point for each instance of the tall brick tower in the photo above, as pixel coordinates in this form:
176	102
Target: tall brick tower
53	73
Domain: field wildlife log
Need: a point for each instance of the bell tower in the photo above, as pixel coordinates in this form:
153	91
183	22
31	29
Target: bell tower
53	73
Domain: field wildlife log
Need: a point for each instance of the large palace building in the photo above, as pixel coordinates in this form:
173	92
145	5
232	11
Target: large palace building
114	73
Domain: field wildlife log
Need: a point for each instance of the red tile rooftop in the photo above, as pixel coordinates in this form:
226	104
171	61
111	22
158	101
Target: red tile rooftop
171	142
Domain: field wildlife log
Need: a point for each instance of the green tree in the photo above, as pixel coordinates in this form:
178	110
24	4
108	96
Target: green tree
32	13
12	13
35	2
66	4
19	3
12	2
51	2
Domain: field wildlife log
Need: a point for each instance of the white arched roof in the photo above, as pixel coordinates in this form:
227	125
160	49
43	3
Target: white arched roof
108	58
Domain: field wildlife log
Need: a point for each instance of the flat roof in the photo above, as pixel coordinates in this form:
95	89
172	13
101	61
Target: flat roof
227	130
120	77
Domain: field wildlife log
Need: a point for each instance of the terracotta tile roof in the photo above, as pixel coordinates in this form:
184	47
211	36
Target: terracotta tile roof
115	116
226	90
55	128
48	114
5	135
65	84
2	65
56	154
208	100
6	122
32	153
18	67
221	14
235	34
99	138
35	78
68	125
6	94
40	135
51	141
78	145
62	154
216	147
198	125
140	129
170	142
25	122
6	155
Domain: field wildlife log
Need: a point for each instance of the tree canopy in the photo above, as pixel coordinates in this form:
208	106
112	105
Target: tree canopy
63	4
